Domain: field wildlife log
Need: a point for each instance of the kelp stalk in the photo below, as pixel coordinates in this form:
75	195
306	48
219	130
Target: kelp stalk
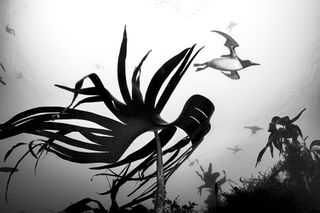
161	187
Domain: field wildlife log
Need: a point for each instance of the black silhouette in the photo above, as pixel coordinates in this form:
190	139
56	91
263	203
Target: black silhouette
8	169
235	149
229	65
254	129
82	206
212	184
210	179
111	138
291	185
281	130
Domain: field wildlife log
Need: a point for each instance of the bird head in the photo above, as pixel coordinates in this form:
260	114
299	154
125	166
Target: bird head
248	63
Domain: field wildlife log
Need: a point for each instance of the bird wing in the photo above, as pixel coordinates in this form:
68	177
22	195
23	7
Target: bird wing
2	82
237	150
2	67
230	42
233	75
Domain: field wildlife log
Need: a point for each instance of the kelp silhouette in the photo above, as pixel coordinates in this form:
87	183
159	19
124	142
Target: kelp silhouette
108	143
82	206
210	179
281	130
213	184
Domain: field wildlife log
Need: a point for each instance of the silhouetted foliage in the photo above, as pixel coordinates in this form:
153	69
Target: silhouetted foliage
213	185
173	206
292	185
267	193
107	142
282	132
83	206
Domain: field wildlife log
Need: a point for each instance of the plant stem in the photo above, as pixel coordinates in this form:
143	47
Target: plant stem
161	188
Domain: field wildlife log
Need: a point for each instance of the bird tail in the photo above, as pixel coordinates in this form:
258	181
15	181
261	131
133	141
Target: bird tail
197	65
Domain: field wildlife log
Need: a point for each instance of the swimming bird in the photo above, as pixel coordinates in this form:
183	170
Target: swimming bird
193	162
98	66
231	25
10	30
235	149
229	65
254	129
19	75
1	81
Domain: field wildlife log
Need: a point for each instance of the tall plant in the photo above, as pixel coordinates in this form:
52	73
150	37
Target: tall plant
107	143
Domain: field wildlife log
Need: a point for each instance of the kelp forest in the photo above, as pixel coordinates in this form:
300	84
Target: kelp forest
291	185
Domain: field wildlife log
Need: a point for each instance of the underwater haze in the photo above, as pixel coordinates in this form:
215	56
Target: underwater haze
48	42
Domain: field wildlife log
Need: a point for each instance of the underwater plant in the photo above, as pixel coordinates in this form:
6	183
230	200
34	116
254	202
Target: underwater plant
299	163
282	132
291	185
213	185
108	142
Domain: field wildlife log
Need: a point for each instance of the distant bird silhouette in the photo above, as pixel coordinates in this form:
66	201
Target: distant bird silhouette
235	149
98	66
1	65
19	75
1	81
254	129
10	30
227	64
231	25
193	162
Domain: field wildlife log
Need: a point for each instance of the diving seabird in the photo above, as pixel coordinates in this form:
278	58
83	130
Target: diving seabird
235	149
19	75
254	129
98	66
227	64
193	162
231	25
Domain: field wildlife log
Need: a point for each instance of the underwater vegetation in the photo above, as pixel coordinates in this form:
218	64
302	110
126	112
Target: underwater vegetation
137	114
291	185
212	184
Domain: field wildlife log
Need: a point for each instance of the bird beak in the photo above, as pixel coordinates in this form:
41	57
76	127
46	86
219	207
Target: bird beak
255	64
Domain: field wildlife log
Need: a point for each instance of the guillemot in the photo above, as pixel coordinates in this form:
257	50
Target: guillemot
231	25
235	149
254	129
227	64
